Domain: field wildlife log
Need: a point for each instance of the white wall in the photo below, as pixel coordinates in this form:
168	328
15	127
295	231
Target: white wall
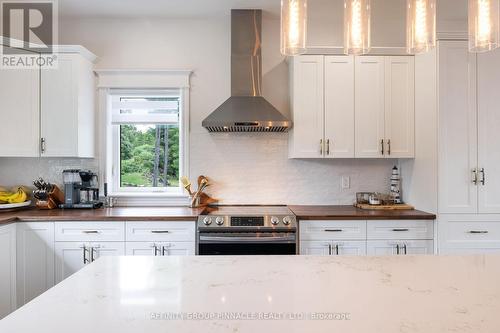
245	168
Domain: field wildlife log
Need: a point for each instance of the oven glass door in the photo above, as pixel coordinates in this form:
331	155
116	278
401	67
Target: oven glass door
247	244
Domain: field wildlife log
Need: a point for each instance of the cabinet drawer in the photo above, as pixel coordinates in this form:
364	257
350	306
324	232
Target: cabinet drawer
89	231
160	231
400	229
332	230
470	235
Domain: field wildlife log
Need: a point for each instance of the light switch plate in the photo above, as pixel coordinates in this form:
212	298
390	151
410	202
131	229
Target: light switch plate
346	182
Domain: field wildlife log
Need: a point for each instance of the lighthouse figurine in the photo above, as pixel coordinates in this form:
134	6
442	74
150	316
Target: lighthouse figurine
396	186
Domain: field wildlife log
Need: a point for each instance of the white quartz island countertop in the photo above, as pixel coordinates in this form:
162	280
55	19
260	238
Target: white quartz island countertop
270	294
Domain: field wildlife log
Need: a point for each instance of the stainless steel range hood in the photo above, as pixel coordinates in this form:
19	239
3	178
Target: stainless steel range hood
246	110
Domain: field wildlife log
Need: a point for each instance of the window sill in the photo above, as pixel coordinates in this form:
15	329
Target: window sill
150	199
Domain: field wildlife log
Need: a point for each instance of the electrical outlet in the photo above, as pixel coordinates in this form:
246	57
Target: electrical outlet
346	182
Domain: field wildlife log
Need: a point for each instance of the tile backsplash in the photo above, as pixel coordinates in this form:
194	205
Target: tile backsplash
245	168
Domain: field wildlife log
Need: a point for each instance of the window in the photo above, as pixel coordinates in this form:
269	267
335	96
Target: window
147	140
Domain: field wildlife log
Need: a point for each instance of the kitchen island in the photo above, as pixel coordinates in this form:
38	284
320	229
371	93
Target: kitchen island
270	294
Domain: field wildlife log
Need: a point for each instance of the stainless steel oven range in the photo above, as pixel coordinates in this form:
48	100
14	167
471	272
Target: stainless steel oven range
247	230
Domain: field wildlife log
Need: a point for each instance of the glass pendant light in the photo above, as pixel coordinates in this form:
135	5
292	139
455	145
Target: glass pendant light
420	25
293	27
357	27
483	25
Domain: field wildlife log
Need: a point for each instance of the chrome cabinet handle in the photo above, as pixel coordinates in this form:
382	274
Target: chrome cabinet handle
478	231
85	250
93	252
155	250
483	176
397	249
42	145
164	249
405	248
90	231
389	147
382	145
400	230
329	249
321	147
328	146
336	249
333	230
160	231
474	176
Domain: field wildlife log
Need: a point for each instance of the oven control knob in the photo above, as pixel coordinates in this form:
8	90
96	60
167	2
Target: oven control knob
274	220
207	221
287	220
219	220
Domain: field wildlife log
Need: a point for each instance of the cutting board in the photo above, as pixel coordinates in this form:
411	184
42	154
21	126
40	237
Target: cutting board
385	207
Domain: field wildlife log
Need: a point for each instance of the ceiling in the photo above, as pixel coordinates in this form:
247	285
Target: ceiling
447	9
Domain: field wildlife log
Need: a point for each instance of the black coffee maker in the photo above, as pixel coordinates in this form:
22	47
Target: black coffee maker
81	189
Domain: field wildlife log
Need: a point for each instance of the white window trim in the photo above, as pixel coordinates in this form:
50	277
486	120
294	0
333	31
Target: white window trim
109	80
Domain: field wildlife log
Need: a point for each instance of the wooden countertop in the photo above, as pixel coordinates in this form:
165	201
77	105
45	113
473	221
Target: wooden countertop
353	213
191	214
108	214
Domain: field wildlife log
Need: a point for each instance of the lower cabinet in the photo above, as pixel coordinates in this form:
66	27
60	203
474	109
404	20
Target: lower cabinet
72	256
7	269
399	247
160	248
35	260
332	248
384	237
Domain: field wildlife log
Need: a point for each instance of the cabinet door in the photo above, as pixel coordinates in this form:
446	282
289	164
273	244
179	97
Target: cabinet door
35	260
400	107
339	106
315	248
349	248
162	248
7	269
106	249
369	106
488	101
19	112
399	247
306	136
457	157
59	108
70	258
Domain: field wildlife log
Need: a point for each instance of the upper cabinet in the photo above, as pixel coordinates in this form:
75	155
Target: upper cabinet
67	108
346	107
49	112
19	112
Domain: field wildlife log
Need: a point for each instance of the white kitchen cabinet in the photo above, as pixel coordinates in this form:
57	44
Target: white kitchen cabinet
19	112
370	106
488	110
90	231
7	269
339	107
399	247
307	104
333	247
160	248
332	230
67	108
400	107
73	256
385	107
168	231
400	229
35	259
457	166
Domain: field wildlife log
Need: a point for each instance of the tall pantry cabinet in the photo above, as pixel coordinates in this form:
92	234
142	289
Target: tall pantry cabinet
468	149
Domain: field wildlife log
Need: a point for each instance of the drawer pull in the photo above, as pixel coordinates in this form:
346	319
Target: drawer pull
478	232
400	230
90	231
160	231
333	230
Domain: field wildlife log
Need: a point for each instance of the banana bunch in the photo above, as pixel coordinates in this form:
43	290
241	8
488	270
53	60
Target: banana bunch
18	196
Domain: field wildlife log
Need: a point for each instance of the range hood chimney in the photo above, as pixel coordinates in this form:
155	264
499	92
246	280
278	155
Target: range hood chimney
246	110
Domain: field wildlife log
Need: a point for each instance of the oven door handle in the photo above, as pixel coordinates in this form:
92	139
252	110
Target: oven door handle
232	239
